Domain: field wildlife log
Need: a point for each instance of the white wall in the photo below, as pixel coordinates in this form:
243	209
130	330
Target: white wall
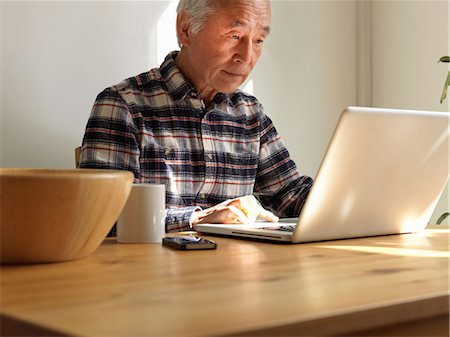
408	37
307	74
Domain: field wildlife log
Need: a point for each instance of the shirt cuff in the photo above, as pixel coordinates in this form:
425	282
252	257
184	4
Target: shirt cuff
179	219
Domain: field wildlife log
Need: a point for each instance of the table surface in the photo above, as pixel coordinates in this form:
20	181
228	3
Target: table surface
243	287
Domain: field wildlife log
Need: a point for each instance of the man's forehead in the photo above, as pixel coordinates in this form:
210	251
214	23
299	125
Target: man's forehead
241	23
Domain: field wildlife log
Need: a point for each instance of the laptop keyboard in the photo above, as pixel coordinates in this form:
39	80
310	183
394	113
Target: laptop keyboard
284	228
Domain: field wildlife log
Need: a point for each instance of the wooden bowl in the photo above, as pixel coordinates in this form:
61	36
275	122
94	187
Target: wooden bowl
51	215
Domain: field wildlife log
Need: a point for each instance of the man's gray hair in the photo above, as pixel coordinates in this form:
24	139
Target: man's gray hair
198	10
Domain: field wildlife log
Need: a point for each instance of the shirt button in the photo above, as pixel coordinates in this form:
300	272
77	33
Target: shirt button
202	195
167	151
210	156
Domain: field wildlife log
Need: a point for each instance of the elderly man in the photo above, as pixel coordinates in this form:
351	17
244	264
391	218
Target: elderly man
186	125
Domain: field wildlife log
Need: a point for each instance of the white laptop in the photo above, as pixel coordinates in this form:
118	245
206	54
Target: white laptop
383	173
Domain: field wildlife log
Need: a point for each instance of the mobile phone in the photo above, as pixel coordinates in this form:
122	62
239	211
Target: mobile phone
188	243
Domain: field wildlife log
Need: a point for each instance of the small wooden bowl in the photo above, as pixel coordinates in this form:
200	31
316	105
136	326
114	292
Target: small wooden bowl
51	215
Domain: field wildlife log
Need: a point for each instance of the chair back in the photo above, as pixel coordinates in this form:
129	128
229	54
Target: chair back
77	156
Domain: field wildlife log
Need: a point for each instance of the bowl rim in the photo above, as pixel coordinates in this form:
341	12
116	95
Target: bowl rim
61	172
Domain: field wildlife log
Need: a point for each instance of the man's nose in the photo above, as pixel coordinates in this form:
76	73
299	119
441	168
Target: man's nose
244	51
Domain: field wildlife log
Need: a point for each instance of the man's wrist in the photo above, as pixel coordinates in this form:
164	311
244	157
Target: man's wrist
196	217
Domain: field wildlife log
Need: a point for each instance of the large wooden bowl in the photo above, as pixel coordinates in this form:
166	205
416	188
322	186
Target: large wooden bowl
49	215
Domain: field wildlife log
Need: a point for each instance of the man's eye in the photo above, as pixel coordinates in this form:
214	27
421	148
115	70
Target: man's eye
235	37
259	42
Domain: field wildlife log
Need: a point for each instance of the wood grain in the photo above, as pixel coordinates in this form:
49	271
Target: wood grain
242	288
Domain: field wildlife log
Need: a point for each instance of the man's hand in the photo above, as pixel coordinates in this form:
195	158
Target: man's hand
234	211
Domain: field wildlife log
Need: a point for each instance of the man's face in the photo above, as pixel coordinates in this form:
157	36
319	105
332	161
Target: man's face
225	51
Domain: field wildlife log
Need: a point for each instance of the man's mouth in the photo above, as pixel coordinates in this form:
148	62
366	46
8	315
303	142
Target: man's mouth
233	74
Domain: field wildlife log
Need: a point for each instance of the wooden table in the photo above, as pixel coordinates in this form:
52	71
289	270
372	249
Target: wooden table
388	285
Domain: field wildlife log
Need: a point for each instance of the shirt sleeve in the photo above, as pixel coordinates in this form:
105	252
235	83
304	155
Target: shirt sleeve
110	142
180	219
279	185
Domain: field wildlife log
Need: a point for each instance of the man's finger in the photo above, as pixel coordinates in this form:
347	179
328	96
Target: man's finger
237	216
265	214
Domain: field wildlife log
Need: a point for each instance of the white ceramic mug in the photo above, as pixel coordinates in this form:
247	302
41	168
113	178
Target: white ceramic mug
143	218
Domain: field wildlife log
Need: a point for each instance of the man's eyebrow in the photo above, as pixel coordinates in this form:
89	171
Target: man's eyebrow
239	23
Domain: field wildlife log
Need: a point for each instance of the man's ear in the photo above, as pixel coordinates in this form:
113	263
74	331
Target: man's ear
183	28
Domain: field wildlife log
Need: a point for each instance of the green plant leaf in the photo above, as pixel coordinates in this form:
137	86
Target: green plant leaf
444	93
442	218
444	59
446	84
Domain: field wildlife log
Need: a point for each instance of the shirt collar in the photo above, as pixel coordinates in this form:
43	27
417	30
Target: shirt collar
176	84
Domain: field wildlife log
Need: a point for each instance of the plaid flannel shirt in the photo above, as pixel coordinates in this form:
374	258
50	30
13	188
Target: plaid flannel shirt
157	126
